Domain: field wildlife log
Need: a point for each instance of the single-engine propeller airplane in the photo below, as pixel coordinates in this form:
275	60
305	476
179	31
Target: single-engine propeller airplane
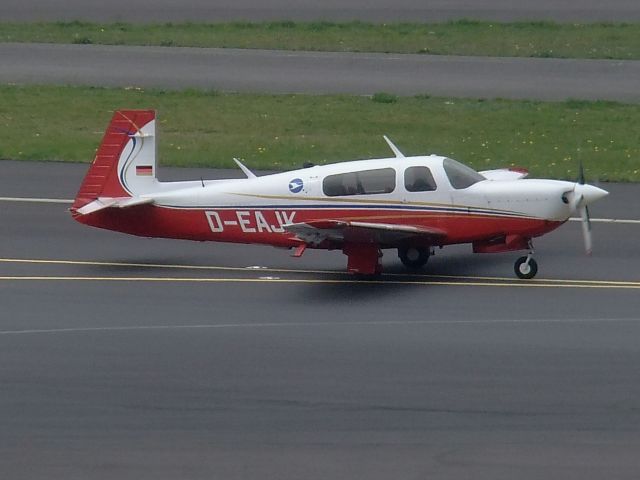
412	204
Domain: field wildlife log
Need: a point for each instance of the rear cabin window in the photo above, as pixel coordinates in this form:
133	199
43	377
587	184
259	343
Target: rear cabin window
419	179
367	182
460	175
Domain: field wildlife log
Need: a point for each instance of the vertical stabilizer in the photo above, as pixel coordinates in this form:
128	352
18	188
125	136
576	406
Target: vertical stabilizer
125	163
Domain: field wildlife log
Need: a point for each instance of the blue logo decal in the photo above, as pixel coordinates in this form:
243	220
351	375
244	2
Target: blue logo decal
295	185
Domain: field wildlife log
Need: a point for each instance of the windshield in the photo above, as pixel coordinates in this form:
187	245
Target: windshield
460	175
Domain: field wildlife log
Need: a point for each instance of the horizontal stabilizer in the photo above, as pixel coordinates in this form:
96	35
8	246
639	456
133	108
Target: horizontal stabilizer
108	202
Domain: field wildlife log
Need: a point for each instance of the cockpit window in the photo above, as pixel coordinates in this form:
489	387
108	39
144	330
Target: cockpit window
367	182
419	179
460	175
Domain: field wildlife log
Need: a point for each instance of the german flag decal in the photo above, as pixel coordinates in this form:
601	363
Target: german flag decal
144	170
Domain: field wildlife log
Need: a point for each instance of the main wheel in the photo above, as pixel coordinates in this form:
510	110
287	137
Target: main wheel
524	270
413	257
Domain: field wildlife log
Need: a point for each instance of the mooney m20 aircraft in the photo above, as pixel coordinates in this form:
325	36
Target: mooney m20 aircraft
412	204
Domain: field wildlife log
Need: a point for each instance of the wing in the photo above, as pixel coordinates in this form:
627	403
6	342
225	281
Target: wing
504	174
318	231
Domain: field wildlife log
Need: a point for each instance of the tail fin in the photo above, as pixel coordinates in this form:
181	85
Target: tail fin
125	163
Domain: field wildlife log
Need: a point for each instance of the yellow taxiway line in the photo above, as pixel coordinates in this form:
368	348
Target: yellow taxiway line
602	285
412	278
160	265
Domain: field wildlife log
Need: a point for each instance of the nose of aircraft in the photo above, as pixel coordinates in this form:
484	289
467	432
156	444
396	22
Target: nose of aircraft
589	193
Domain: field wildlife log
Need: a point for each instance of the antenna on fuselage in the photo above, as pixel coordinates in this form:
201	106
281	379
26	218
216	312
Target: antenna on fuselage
246	171
396	151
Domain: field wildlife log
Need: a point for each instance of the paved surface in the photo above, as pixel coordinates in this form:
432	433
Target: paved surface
224	375
306	72
228	372
373	10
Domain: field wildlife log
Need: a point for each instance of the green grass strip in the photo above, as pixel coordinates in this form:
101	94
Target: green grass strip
464	37
199	128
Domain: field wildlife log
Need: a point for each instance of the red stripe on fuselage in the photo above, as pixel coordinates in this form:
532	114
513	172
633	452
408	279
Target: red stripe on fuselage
265	225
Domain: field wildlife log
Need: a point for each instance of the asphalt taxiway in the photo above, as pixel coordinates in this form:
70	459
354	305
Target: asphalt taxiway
135	358
371	10
243	70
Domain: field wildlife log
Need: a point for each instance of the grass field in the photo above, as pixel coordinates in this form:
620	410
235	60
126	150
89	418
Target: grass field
199	128
464	37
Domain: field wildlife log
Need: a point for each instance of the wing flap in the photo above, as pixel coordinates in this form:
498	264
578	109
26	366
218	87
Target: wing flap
318	231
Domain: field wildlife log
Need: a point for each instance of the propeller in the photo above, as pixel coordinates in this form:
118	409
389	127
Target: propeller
581	173
586	229
583	195
584	214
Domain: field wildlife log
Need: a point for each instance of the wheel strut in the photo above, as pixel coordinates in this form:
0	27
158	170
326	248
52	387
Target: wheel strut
526	267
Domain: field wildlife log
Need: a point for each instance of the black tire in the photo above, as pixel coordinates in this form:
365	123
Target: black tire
413	257
523	272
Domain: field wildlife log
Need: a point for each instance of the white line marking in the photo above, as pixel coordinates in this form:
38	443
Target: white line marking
35	200
365	323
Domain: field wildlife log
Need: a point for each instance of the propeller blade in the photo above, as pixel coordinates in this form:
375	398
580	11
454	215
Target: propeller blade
586	229
583	195
581	180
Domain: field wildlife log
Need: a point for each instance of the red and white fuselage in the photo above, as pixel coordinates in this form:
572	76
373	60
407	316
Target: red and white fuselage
359	206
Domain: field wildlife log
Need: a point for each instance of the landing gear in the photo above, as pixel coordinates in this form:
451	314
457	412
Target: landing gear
526	267
363	259
413	257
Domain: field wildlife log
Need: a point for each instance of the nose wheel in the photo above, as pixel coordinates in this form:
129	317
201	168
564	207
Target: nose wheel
526	267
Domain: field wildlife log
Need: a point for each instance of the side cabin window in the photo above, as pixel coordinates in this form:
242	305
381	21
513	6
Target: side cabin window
460	175
419	179
367	182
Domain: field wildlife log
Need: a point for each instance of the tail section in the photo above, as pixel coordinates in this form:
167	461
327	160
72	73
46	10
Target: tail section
124	166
